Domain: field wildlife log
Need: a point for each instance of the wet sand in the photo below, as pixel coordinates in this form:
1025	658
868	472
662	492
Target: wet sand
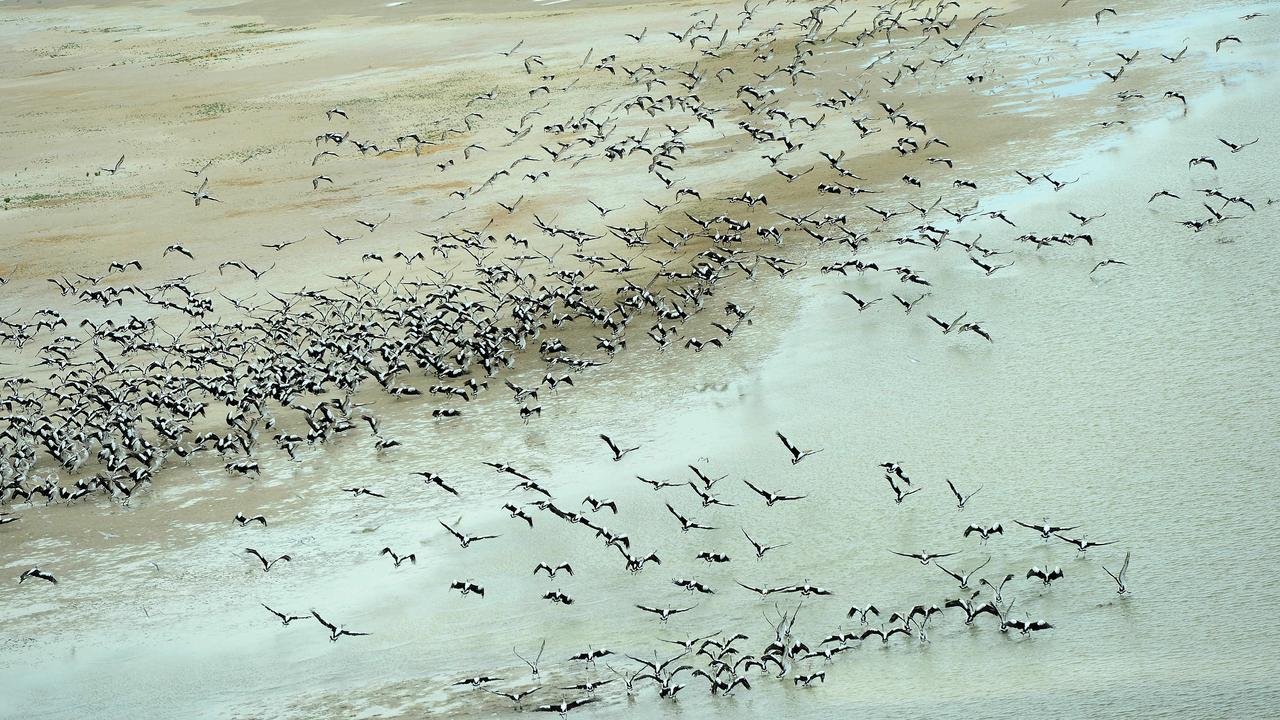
1137	402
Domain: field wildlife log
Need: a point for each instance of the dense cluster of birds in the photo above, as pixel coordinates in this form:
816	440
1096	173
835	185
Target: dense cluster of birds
111	401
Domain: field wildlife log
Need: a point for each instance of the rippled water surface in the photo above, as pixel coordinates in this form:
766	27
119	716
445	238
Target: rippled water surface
1138	402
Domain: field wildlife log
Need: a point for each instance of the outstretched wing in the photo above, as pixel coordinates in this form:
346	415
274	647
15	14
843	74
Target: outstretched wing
258	555
787	443
958	577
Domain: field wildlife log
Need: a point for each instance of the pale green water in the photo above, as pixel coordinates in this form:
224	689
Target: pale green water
1139	404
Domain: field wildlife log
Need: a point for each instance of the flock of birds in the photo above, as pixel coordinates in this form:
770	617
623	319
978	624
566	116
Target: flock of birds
111	402
730	660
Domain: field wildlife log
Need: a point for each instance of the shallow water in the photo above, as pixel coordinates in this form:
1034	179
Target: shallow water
1138	402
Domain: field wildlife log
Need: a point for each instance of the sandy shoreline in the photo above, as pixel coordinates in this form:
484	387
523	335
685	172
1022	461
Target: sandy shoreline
679	406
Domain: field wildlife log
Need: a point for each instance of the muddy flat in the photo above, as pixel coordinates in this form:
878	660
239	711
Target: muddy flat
742	312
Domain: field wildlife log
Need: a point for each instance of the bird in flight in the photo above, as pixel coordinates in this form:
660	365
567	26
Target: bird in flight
771	497
761	548
284	619
924	557
397	559
618	452
115	168
551	570
1105	263
38	574
335	631
961	499
664	614
1119	577
463	539
266	566
796	453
